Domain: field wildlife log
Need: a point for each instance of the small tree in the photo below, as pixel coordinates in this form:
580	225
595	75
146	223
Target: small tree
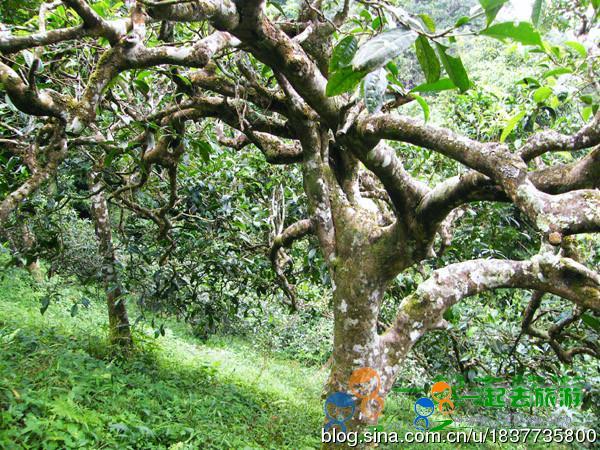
278	83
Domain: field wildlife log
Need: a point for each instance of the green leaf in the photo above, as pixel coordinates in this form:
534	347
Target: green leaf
143	74
142	86
511	124
342	54
74	309
441	85
204	148
375	85
541	94
522	32
579	48
428	21
529	82
393	68
424	106
492	8
381	49
591	322
449	314
536	12
462	21
427	59
110	156
278	6
587	99
586	113
556	72
185	80
455	68
344	80
44	303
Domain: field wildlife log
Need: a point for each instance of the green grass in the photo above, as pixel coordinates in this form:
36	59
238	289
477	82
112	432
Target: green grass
61	388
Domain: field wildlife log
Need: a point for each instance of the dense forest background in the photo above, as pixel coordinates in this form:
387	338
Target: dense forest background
227	350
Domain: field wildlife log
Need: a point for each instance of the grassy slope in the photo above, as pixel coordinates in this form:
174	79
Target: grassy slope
59	387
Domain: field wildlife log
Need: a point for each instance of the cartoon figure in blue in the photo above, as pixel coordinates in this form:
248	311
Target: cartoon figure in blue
341	401
424	408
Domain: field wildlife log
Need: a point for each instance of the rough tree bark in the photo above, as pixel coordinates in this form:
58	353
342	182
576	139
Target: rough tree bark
118	321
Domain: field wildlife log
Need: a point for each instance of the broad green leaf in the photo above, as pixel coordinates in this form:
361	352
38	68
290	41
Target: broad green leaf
204	148
393	68
441	85
492	8
591	322
522	32
428	21
556	72
44	303
511	124
142	86
587	99
455	68
375	85
586	113
144	74
74	309
381	49
541	94
424	106
536	12
579	48
344	80
343	53
427	59
377	23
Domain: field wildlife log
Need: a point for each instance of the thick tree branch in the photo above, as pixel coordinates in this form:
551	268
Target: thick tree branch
134	55
474	186
54	153
94	22
568	213
222	13
277	50
28	99
551	141
546	272
553	335
279	259
232	112
207	79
